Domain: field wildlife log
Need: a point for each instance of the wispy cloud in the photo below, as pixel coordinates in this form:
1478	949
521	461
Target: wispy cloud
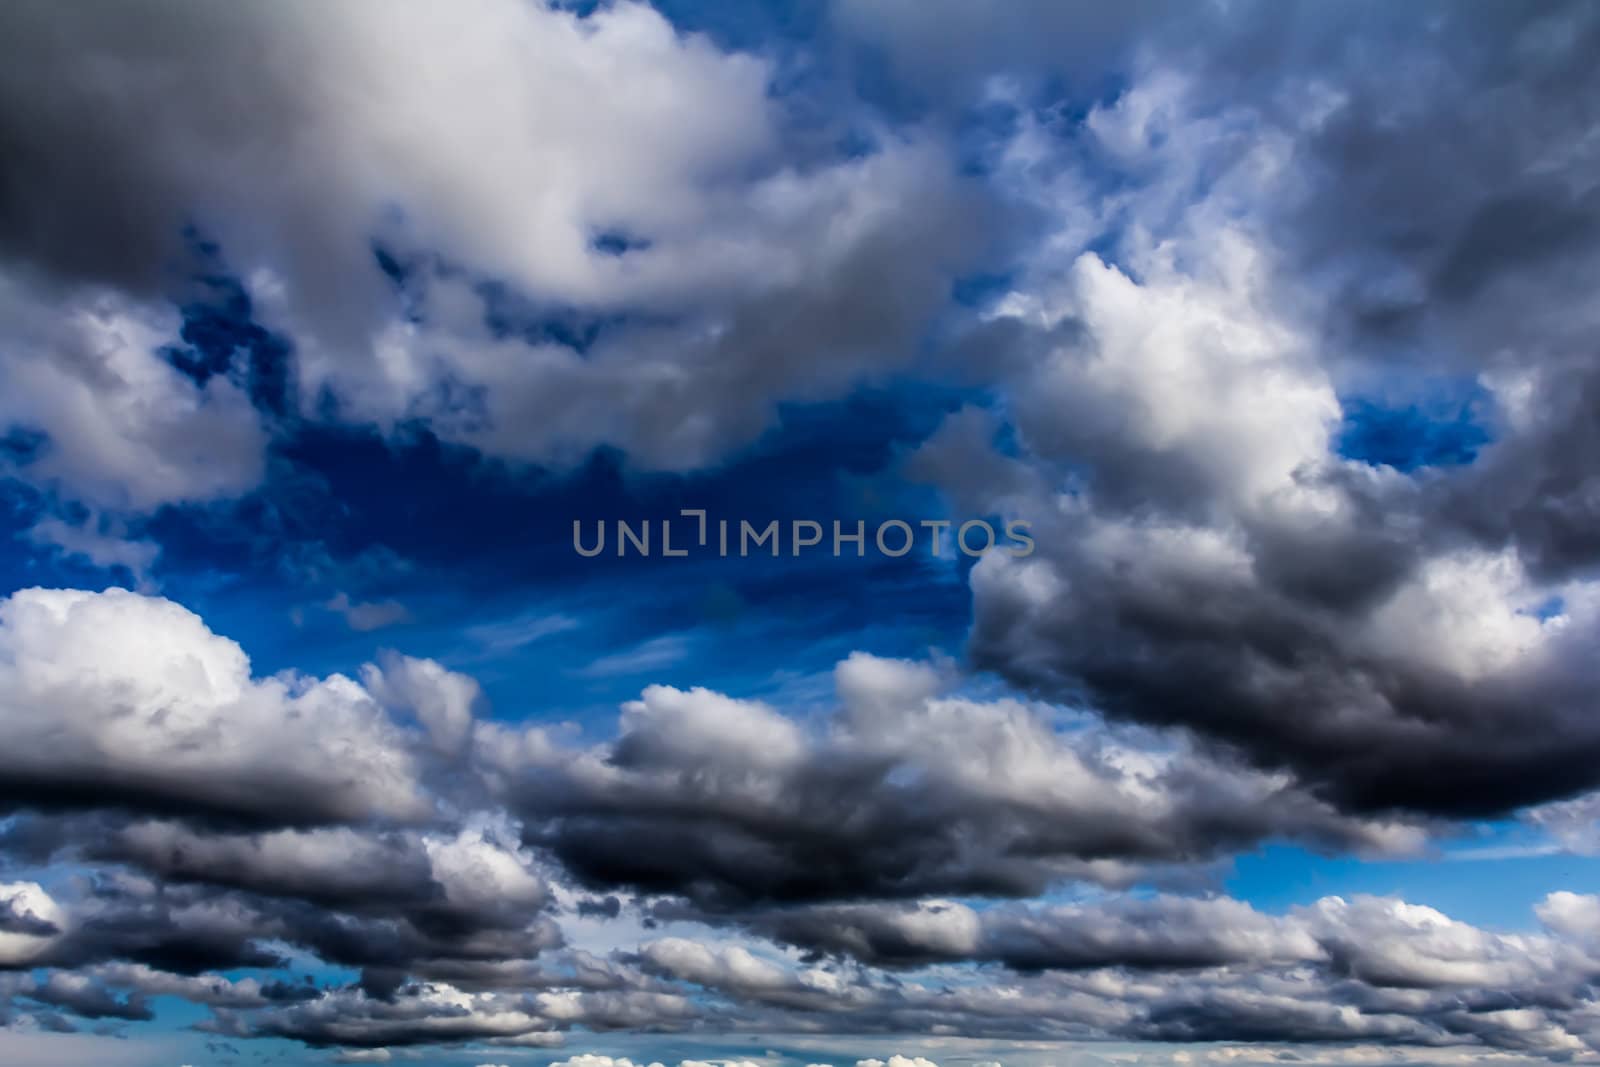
648	656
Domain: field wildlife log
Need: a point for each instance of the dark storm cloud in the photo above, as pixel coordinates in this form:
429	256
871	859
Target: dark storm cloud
424	1014
608	907
1365	969
219	743
17	918
389	903
335	869
53	209
1219	568
1285	684
1458	217
1165	933
86	998
181	931
904	793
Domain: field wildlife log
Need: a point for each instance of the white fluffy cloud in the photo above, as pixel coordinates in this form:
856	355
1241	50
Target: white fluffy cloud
1188	380
116	698
442	700
32	920
1575	914
124	428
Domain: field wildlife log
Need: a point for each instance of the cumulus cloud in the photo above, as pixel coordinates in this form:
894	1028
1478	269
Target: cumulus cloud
426	1014
448	927
1163	933
30	920
1574	914
121	427
1178	368
1362	969
120	698
733	266
443	701
905	792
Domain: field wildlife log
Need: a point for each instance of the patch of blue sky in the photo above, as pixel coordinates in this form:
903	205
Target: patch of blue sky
21	444
463	544
460	546
743	26
984	133
220	335
1436	425
1459	880
28	561
1549	608
981	289
510	314
618	243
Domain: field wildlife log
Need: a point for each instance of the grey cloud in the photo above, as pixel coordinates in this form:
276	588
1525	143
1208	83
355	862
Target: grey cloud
16	917
117	422
1363	970
124	919
764	273
1214	564
83	997
904	793
1162	933
429	1014
170	719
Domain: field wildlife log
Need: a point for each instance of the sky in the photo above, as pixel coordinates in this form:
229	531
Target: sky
1122	495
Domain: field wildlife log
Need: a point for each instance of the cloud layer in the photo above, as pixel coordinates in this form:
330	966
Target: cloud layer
777	872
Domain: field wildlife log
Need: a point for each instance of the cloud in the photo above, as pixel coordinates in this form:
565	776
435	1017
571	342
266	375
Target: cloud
1574	914
30	920
1574	824
365	616
1162	933
427	1014
651	655
116	698
122	428
466	877
751	269
1363	969
447	926
443	701
905	792
105	546
85	998
1175	357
